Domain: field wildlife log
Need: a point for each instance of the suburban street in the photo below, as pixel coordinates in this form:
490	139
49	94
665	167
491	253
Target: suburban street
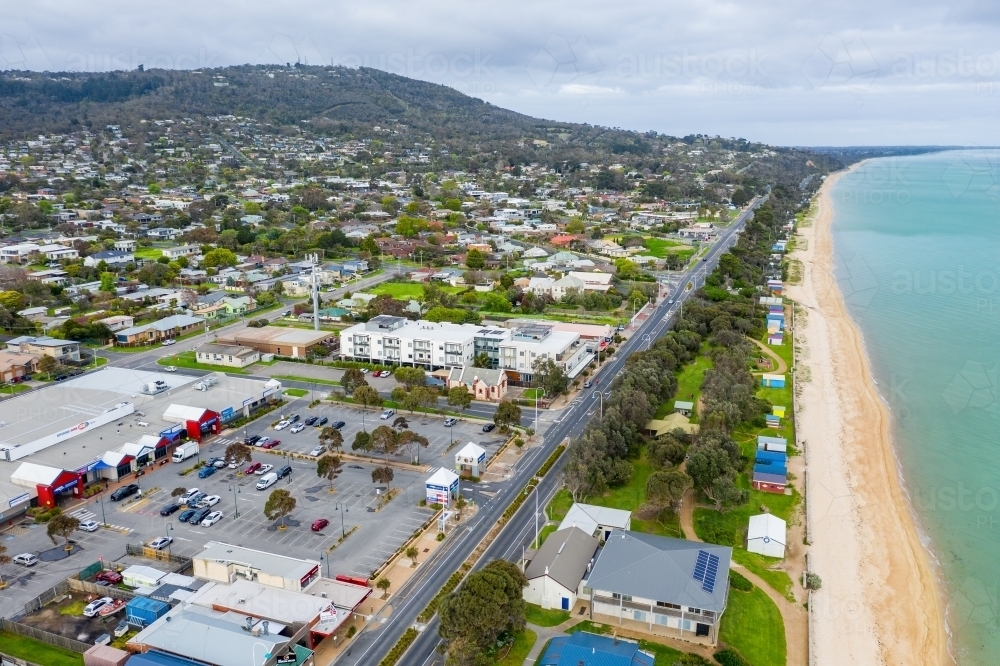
410	600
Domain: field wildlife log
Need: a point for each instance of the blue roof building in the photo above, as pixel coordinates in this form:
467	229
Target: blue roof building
585	649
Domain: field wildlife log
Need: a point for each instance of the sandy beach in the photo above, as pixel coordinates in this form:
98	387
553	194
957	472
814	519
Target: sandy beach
880	602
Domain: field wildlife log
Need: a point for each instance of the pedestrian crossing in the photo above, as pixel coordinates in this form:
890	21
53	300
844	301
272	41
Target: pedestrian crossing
82	515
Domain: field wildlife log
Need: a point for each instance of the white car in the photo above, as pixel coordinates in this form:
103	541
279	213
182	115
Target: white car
96	605
262	441
365	371
298	427
89	526
167	343
387	414
318	451
233	465
212	519
170	368
160	543
264	469
211	500
186	497
26	559
282	425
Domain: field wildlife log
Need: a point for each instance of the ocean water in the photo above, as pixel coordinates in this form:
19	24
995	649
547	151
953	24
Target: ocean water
917	249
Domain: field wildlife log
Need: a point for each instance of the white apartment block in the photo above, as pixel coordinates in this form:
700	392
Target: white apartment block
396	340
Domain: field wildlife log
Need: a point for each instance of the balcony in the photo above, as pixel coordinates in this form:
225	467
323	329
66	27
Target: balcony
659	610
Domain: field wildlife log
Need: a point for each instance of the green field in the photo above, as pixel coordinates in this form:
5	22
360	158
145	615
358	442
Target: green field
630	497
408	290
38	652
752	624
544	533
544	617
560	505
187	360
689	381
148	253
660	247
518	652
296	392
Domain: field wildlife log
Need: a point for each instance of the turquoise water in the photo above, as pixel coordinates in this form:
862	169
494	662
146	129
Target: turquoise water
917	243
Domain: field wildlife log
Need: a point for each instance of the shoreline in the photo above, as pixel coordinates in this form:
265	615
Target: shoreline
881	601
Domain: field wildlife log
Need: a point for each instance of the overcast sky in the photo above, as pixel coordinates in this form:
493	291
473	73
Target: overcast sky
841	73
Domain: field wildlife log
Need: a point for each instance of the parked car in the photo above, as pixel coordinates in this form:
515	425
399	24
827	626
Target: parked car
159	543
167	343
319	524
186	515
387	414
170	368
219	463
252	440
355	466
294	419
311	420
365	371
233	465
97	604
323	421
89	526
262	441
109	576
125	491
267	481
298	427
263	469
170	508
211	500
337	425
284	471
193	502
26	559
252	467
284	423
191	492
489	427
588	384
206	472
199	516
450	421
317	451
271	444
211	519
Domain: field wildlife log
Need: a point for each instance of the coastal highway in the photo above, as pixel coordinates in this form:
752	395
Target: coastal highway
384	630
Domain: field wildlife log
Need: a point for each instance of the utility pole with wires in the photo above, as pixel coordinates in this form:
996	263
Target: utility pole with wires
314	260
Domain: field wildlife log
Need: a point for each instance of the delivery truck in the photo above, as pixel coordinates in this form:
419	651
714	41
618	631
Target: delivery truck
185	451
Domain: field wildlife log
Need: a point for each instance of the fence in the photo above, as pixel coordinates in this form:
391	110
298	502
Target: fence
180	563
44	636
45	597
91	588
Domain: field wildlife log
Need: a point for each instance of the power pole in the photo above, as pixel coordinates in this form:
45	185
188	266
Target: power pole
315	290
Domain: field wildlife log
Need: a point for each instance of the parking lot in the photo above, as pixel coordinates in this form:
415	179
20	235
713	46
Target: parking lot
379	533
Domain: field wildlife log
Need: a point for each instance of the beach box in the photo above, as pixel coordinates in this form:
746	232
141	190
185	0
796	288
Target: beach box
770	458
775	469
771	300
772	421
772	381
775	338
765	443
778	410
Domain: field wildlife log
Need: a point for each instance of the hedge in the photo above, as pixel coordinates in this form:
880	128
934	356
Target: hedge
543	470
730	657
739	581
399	648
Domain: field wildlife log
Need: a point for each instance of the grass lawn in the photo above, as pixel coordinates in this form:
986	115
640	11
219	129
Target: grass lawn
689	381
308	380
589	627
148	253
38	652
530	394
661	247
663	655
74	609
542	617
560	504
13	389
187	360
518	652
752	624
296	392
759	564
632	496
545	532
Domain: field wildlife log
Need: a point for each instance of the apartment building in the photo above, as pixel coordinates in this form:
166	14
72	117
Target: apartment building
396	340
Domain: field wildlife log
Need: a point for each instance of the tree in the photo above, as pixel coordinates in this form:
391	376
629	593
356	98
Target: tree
399	424
331	438
384	584
410	377
279	504
488	605
238	453
726	494
665	489
362	442
48	365
63	526
382	474
411	442
352	379
328	467
367	397
12	300
411	553
481	360
459	396
220	256
177	492
475	260
575	226
107	282
550	376
507	414
384	440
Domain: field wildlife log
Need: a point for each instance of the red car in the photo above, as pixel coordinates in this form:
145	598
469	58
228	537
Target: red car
271	444
109	576
251	468
319	524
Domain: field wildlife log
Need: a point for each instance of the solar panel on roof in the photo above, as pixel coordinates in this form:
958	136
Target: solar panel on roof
706	568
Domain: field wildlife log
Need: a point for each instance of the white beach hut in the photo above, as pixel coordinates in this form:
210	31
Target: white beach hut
766	535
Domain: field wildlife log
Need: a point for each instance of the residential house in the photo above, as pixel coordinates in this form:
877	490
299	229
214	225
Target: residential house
126	245
483	383
55	252
594	281
541	286
51	276
555	572
112	258
233	356
564	285
172	253
659	585
164	233
15	365
164	329
19	253
355	266
117	323
61	350
597	521
683	407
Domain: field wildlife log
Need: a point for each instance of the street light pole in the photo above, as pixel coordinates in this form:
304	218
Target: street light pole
170	528
236	491
337	507
536	407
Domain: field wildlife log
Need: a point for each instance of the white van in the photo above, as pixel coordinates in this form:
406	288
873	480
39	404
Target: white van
267	481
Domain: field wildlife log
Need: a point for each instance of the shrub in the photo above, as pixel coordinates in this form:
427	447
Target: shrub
691	659
551	461
351	631
440	536
730	657
399	648
813	581
739	581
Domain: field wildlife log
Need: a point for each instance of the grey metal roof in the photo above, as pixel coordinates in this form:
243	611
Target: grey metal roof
659	568
565	554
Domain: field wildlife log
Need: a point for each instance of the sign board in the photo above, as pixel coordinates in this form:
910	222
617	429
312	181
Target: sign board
227	414
14	501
